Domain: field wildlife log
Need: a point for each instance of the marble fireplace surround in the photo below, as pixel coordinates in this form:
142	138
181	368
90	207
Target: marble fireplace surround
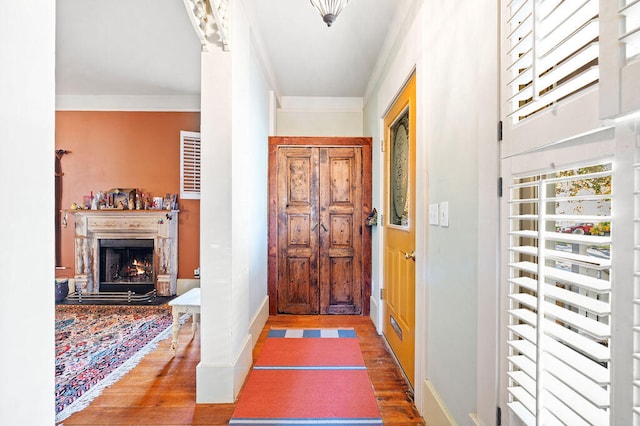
94	225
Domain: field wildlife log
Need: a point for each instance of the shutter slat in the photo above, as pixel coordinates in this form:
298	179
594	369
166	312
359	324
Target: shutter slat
583	281
574	400
524	380
563	256
525	331
588	367
577	341
523	414
595	328
568	87
575	299
593	392
562	413
525	347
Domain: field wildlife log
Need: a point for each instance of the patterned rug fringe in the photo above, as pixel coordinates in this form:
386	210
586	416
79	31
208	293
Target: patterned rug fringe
87	398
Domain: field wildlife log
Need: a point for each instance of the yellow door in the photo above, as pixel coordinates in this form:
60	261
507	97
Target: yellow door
400	227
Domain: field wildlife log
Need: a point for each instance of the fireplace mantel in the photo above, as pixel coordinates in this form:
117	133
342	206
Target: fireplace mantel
95	225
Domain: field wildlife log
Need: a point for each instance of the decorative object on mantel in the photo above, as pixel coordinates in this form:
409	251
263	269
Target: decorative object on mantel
125	199
329	9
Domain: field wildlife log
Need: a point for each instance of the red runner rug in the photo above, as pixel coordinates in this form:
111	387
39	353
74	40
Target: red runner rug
313	376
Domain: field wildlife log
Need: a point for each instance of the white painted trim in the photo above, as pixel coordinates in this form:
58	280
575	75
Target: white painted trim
474	418
273	113
242	365
168	103
375	313
221	383
434	412
185	284
256	325
320	104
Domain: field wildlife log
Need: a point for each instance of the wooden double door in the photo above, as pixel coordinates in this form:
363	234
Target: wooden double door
319	244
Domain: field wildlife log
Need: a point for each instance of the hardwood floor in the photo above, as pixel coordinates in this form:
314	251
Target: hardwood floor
161	389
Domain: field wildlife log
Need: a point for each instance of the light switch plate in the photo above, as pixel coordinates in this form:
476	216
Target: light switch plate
434	218
443	209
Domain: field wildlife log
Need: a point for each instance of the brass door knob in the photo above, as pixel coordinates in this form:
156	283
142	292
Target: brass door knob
411	256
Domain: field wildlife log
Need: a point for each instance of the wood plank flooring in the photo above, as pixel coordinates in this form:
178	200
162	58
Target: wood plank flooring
161	390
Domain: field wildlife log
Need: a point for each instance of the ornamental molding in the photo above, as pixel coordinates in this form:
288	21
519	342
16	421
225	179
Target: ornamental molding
211	22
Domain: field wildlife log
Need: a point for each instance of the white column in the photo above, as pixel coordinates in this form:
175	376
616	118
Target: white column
226	347
214	373
27	125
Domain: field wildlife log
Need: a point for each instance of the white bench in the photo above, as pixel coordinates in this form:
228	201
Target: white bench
188	303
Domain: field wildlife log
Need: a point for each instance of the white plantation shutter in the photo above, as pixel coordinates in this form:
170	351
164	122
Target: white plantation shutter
559	297
553	52
189	165
630	31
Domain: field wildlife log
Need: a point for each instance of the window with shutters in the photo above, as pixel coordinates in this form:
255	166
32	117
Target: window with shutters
189	165
560	290
630	30
552	52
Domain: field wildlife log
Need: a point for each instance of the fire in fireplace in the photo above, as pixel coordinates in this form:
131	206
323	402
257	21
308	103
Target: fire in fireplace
126	265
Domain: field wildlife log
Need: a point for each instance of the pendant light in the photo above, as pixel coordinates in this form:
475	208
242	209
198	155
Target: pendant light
329	9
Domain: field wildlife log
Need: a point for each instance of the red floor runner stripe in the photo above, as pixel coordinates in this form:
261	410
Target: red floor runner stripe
310	352
308	381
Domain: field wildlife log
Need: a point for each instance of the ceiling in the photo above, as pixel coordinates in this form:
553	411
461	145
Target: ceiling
149	47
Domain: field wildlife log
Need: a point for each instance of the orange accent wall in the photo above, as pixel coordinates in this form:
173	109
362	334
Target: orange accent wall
127	150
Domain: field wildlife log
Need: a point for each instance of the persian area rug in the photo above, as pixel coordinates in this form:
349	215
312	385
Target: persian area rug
97	345
313	376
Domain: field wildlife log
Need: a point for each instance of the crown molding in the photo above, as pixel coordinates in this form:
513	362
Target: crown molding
161	103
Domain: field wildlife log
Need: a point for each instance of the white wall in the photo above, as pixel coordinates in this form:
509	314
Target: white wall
257	171
27	124
457	150
313	116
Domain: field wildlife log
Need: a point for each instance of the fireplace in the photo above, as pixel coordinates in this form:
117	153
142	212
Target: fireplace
108	242
126	265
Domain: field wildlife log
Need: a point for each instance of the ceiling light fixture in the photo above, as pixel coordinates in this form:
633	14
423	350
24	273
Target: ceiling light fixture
329	9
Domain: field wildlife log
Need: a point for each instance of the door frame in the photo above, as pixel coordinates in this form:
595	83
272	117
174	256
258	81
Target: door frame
276	142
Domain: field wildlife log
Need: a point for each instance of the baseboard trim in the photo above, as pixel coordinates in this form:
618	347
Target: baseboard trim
374	313
242	365
434	411
220	384
259	320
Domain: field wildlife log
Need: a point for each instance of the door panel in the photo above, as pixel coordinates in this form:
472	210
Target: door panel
319	248
341	230
399	229
297	230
